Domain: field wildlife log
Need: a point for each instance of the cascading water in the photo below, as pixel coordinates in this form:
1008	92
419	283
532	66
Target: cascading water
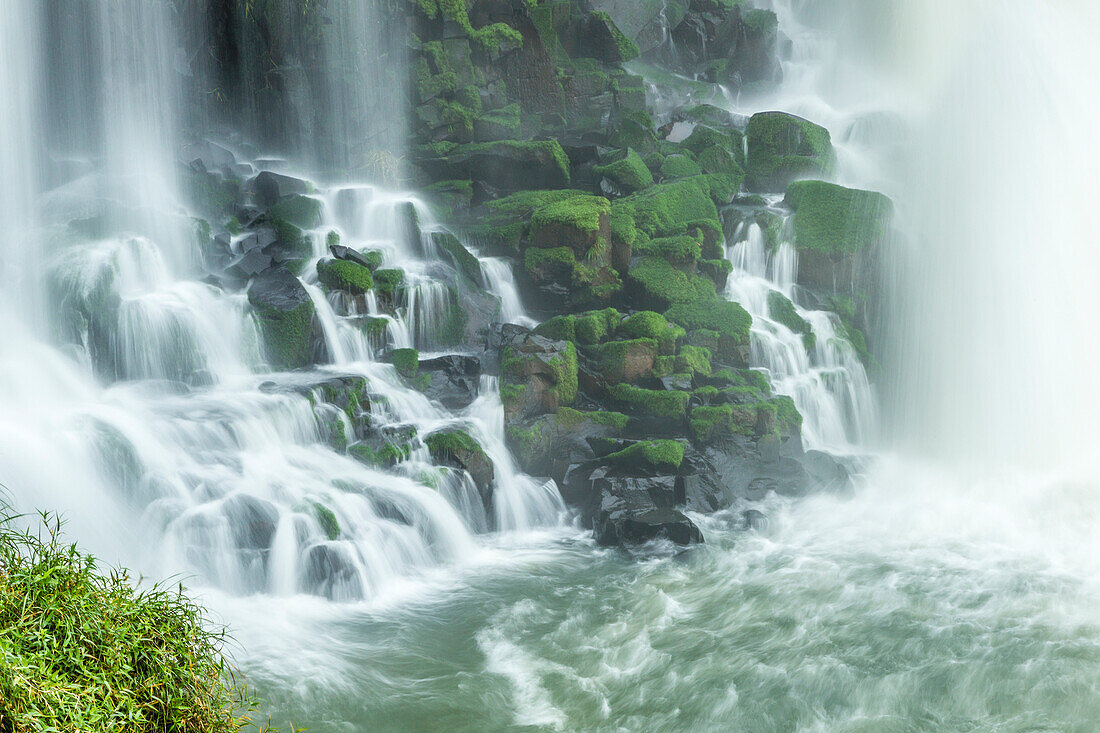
201	459
955	590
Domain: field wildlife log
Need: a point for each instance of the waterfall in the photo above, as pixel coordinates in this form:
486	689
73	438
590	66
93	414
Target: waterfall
143	410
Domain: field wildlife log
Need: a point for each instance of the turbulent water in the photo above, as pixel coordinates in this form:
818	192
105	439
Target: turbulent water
957	589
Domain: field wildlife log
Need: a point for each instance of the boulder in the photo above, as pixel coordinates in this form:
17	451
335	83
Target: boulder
458	449
268	187
538	375
783	148
286	316
330	572
453	380
628	515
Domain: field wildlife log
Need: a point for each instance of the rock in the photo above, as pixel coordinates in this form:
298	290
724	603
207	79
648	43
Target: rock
268	187
628	515
453	380
252	521
836	232
286	316
345	275
347	254
507	165
550	444
783	148
754	519
249	264
331	572
457	448
538	375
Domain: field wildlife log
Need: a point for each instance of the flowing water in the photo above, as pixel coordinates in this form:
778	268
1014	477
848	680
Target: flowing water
957	589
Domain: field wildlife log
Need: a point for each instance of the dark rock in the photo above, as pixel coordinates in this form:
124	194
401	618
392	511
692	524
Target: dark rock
454	380
330	572
631	517
286	315
754	519
268	187
252	521
249	264
348	254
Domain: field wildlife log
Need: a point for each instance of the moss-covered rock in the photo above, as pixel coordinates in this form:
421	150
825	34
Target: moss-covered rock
578	222
836	220
406	362
459	449
538	375
461	259
729	320
551	265
388	283
593	327
508	165
626	361
659	455
782	310
681	250
657	284
783	148
345	275
679	166
652	325
654	403
285	313
629	172
693	360
671	208
303	212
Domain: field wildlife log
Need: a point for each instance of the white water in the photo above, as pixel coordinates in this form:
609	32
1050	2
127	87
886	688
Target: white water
218	482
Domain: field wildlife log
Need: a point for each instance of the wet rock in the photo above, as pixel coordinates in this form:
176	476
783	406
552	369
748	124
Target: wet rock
783	148
629	516
269	187
252	521
249	264
538	375
458	449
347	254
453	380
286	316
754	520
331	572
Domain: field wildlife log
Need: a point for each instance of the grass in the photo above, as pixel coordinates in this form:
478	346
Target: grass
81	650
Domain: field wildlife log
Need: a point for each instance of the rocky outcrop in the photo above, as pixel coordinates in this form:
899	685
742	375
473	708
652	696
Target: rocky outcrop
285	313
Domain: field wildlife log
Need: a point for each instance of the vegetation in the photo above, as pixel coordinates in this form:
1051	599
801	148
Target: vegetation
659	454
837	220
350	277
81	650
630	172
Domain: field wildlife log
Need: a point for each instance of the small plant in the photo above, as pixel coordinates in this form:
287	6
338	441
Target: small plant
85	651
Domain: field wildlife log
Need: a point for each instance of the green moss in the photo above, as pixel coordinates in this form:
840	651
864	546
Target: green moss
704	137
326	519
406	362
659	454
657	403
709	423
580	212
385	456
788	416
649	324
728	319
661	285
679	166
565	373
571	419
693	360
706	393
627	48
755	381
681	250
343	275
635	130
549	264
512	396
592	327
287	335
452	443
388	282
783	147
782	310
301	211
559	328
837	220
665	209
613	358
630	172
